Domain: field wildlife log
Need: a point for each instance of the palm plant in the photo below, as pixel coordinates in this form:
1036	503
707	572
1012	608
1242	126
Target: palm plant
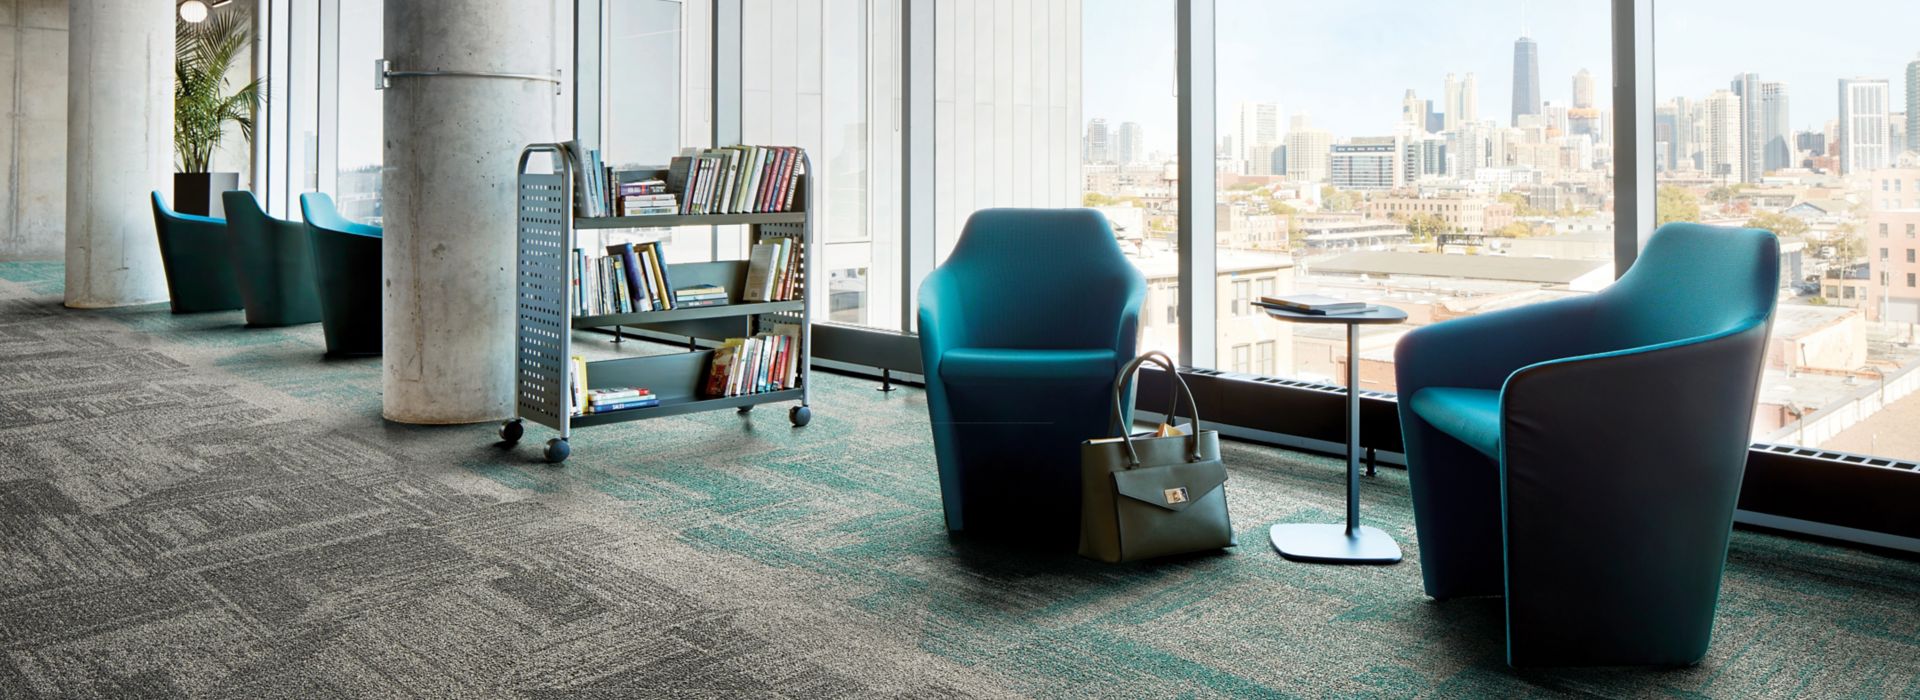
202	108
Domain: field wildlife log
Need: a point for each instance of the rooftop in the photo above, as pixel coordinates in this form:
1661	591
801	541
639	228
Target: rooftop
1487	267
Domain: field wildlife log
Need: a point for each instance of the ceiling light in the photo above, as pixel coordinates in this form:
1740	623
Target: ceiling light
193	11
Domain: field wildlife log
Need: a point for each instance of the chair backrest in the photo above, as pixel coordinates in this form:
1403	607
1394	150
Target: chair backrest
1693	280
161	209
320	213
1043	278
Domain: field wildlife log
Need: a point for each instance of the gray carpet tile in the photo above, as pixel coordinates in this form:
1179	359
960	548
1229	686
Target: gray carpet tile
193	508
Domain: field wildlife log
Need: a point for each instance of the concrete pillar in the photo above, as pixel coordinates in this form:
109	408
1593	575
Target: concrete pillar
119	148
451	147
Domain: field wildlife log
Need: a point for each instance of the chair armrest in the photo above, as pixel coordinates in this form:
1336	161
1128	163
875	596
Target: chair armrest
943	321
1621	471
1481	352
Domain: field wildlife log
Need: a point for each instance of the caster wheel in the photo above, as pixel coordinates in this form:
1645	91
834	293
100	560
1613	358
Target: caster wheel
511	431
744	410
800	415
557	450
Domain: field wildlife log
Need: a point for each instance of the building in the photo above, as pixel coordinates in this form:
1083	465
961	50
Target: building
1892	236
1671	127
1098	145
1913	105
1863	125
1463	214
1751	135
1462	102
1415	112
1131	144
1308	151
1776	144
1526	79
1573	275
1367	164
1255	133
1722	145
1583	89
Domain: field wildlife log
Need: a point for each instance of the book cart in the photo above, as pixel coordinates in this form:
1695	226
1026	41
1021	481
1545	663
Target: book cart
548	228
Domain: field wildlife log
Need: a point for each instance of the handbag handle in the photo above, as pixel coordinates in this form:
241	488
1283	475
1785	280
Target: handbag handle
1120	383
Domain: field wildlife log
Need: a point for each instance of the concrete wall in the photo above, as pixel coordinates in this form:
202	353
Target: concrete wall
33	129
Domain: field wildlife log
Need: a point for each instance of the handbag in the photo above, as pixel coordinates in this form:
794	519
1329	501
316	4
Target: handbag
1142	498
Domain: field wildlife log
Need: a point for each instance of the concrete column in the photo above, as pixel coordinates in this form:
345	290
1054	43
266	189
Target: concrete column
451	147
119	148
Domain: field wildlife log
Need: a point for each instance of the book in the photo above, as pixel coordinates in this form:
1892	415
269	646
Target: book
643	402
760	272
577	386
1311	303
615	395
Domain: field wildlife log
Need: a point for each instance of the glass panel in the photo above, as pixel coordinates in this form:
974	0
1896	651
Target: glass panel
361	149
1448	163
656	92
1062	103
1817	145
825	75
303	106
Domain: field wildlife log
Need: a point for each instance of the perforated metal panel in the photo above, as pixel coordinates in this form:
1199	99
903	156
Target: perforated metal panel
545	290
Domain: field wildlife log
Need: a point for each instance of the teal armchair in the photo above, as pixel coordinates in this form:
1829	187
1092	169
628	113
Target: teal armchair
1582	458
1021	332
274	262
193	254
346	264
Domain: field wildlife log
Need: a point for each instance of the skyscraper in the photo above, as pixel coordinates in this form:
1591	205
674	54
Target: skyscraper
1308	151
1746	86
1132	144
1862	135
1414	111
1913	106
1098	146
1256	132
1723	142
1776	132
1462	102
1526	78
1583	89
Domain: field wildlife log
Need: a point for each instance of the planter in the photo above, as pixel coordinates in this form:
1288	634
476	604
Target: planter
199	193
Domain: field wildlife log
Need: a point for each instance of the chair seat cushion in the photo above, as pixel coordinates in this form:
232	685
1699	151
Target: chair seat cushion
977	365
1471	416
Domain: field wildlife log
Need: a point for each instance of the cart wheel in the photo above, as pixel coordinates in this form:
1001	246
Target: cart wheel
511	431
800	415
557	450
743	410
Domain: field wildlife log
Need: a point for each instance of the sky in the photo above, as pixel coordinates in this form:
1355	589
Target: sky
1348	64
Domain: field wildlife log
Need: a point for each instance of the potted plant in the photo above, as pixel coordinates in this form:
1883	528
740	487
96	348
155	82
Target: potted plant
204	53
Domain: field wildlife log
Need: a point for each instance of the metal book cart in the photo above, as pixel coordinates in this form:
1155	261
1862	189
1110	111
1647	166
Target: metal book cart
543	328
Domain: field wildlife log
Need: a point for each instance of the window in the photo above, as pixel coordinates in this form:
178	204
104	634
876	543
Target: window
1883	254
1241	288
1055	103
361	149
1909	279
1377	175
825	77
1910	231
1241	357
1883	230
1909	255
1263	357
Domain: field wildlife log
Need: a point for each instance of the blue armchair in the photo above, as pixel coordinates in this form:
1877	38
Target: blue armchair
274	261
193	254
1583	457
1021	333
346	265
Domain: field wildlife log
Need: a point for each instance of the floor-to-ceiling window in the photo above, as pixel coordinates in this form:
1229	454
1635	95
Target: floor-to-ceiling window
360	149
1057	104
1444	159
1818	144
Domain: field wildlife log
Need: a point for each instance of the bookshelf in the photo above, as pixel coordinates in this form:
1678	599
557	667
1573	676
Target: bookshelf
548	233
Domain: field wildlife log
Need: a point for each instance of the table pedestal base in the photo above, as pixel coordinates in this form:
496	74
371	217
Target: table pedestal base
1331	544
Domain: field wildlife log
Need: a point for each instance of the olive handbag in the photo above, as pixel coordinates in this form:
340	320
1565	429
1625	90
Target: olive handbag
1142	498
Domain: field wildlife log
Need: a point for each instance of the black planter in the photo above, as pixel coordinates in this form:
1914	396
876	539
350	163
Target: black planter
199	193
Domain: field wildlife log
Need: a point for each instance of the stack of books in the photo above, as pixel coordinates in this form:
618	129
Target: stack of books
699	295
629	278
619	399
773	269
756	365
736	179
1317	304
644	198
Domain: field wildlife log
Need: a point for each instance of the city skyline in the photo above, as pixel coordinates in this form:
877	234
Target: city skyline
1360	93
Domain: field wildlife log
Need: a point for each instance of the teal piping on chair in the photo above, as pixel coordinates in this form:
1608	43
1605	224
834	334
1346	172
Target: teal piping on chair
275	263
1021	332
193	254
1602	512
346	261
